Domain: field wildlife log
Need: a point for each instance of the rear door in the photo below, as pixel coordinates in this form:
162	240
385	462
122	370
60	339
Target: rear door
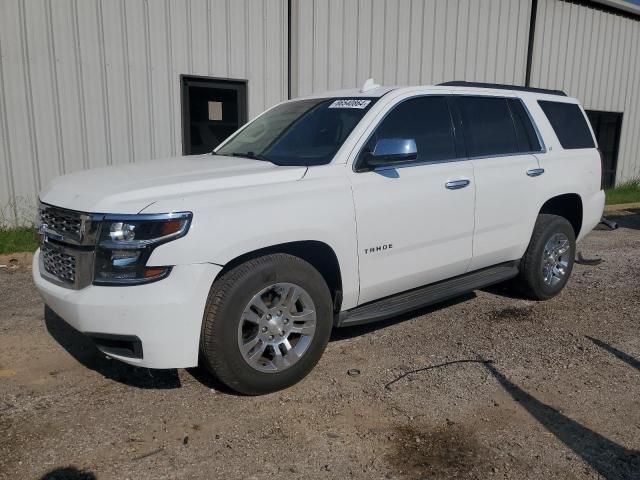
501	140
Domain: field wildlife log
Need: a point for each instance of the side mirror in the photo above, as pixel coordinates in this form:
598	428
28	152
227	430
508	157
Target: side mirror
392	150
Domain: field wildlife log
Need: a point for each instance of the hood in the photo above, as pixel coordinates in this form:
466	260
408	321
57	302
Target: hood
132	187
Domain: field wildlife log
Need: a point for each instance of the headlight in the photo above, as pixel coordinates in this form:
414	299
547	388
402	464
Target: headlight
126	242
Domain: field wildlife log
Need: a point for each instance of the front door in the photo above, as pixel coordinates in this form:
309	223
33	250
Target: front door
414	221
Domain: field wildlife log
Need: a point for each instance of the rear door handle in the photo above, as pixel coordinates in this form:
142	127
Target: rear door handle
457	184
535	172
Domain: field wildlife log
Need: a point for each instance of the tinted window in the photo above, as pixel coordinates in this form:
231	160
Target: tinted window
569	124
488	126
525	132
424	119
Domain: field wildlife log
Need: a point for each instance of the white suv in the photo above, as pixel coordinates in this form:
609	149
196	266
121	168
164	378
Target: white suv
324	211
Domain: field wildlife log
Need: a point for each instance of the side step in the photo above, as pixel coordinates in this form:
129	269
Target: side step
421	297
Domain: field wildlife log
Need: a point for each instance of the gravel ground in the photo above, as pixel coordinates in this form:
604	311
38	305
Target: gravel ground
501	388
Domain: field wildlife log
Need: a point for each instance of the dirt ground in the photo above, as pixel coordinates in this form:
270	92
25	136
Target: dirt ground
501	388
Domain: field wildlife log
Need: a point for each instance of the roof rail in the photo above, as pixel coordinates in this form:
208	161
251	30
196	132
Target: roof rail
459	83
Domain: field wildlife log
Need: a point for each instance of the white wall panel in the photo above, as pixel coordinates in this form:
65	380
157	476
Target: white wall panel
89	83
341	43
595	56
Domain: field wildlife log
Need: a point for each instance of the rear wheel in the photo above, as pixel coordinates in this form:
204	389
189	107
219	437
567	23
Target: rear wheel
548	261
266	324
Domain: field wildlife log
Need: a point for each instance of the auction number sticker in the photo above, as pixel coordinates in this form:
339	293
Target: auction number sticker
350	103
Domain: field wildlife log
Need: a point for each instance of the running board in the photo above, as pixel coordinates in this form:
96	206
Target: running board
421	297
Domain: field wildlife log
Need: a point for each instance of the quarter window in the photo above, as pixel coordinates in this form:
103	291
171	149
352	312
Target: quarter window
424	119
488	126
569	124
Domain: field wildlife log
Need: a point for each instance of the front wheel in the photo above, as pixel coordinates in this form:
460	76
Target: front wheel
266	324
548	261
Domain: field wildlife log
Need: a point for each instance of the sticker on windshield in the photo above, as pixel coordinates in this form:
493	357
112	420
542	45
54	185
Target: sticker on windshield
350	104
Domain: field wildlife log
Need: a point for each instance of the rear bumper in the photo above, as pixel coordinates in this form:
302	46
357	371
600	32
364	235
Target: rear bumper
592	209
165	317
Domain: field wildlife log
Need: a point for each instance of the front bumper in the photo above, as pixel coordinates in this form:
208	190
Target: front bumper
166	316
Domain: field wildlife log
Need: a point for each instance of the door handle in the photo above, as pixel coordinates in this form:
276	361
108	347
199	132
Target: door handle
535	172
457	184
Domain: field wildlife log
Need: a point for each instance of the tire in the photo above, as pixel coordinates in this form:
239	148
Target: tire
533	279
231	311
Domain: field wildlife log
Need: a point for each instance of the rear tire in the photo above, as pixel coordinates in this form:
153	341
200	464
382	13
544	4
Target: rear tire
547	264
266	324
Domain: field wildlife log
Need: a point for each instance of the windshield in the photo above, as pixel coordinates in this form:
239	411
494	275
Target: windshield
303	132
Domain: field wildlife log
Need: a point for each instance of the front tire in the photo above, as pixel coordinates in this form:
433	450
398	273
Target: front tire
548	261
266	324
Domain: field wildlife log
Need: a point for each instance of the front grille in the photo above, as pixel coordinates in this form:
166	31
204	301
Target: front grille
66	223
58	264
67	241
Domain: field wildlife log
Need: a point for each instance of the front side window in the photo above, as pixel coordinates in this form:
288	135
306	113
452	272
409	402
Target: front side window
302	132
423	119
488	126
569	124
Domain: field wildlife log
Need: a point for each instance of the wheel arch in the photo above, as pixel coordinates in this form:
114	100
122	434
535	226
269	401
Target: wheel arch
567	205
319	254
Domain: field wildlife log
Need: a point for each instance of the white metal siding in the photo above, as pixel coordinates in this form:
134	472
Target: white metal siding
88	83
341	43
595	57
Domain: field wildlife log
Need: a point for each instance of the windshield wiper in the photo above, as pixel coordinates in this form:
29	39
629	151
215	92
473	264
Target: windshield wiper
251	156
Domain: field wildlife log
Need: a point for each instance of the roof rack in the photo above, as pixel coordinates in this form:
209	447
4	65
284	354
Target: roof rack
459	83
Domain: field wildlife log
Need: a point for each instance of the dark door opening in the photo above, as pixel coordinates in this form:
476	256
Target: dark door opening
607	127
212	109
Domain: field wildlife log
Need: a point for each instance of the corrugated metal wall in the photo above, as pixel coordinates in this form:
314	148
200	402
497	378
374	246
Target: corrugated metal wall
341	43
594	56
86	83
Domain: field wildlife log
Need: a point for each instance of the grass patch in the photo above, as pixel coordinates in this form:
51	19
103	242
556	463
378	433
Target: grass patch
13	240
627	192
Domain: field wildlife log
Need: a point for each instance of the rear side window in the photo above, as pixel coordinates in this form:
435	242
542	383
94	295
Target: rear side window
488	126
426	120
569	124
525	132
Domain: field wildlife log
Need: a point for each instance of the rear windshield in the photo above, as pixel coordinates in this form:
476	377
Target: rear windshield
302	132
569	124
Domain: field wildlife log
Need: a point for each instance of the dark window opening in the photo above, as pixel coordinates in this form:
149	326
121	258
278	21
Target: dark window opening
212	109
569	124
424	119
488	126
607	127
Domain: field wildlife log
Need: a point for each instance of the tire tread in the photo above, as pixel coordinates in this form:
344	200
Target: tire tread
211	344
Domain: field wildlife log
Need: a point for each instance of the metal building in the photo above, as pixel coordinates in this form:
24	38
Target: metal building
89	83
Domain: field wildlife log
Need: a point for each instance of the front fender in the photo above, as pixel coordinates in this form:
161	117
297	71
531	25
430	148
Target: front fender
234	222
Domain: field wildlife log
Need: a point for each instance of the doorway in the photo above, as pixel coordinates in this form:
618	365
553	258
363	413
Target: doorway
212	109
607	127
